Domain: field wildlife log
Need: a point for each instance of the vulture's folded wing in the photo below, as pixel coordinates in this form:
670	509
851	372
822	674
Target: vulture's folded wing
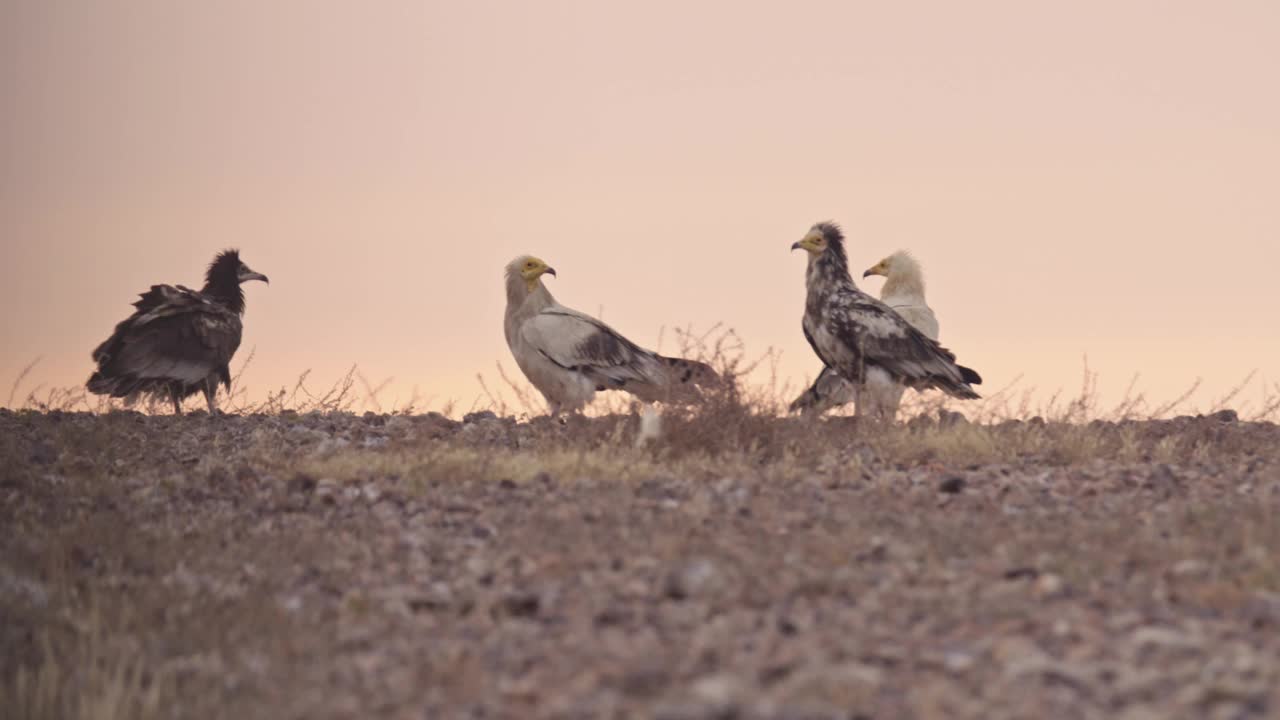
581	343
176	334
186	347
884	338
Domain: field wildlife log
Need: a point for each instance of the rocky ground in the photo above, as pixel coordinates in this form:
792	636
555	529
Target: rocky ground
344	566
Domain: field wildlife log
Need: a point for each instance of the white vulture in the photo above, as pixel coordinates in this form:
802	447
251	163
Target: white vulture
569	355
862	340
904	292
178	341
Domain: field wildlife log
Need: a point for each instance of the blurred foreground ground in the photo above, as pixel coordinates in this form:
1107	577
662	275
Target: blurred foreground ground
343	566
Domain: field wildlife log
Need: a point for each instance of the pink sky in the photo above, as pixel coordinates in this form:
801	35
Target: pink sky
1097	178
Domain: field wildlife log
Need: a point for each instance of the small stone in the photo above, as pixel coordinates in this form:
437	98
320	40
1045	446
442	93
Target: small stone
1018	654
1021	573
436	596
475	417
719	691
952	485
1191	568
330	444
958	662
1162	637
521	605
301	483
1049	586
326	489
696	577
1225	416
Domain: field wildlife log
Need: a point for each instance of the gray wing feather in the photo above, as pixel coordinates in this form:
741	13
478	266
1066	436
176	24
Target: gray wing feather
855	330
579	342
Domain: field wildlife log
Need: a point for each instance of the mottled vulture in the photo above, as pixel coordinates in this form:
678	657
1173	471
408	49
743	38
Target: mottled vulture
904	292
859	337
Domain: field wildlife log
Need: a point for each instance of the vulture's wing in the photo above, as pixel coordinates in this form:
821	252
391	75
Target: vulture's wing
866	327
175	334
581	343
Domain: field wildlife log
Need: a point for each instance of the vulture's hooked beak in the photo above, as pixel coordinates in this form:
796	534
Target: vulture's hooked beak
868	273
247	275
550	271
796	246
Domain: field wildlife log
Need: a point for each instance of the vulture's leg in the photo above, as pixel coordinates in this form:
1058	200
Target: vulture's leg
554	407
210	396
175	394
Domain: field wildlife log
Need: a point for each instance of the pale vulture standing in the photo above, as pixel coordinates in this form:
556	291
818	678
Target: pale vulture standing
903	291
863	340
569	356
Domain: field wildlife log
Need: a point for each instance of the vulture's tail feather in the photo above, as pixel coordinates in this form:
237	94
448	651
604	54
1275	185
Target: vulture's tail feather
115	385
689	372
970	376
961	391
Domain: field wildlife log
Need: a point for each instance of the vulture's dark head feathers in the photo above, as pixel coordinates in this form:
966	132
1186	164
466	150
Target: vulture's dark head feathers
824	242
224	276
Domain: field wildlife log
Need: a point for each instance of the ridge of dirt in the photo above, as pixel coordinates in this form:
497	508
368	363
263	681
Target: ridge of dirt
347	566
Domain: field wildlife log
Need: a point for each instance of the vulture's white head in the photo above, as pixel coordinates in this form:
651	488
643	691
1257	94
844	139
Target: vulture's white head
901	271
529	269
900	264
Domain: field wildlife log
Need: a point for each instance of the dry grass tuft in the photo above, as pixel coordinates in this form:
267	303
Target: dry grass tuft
85	677
753	395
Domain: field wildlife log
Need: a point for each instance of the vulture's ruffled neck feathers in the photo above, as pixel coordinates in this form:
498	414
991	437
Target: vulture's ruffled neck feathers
222	281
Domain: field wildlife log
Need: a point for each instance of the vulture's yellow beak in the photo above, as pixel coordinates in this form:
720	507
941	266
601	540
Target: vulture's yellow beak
880	268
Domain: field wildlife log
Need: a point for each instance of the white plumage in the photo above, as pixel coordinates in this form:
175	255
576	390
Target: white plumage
569	356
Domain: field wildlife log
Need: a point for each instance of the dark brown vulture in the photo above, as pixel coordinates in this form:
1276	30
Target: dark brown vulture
178	341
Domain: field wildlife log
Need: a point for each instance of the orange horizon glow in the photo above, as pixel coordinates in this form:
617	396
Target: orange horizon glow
1095	179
